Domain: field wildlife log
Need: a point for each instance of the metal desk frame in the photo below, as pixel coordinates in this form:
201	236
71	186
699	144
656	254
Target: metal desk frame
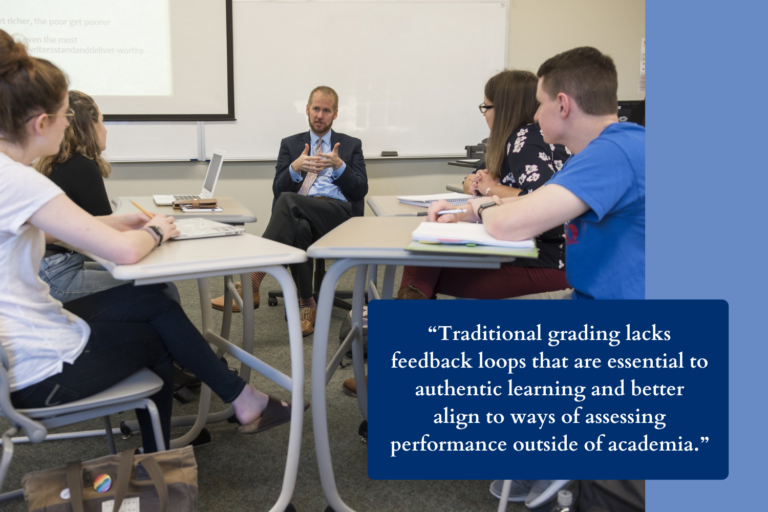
363	243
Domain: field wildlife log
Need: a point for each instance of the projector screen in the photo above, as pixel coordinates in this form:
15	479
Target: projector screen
153	60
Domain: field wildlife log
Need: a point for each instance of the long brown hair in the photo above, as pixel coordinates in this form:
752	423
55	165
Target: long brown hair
28	86
80	137
513	94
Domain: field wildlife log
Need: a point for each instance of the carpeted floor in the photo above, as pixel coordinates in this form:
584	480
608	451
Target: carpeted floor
239	473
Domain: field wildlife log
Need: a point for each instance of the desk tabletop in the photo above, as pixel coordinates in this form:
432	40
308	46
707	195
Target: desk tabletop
389	206
232	211
206	257
382	239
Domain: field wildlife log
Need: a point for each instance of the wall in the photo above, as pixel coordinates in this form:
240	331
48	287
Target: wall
539	29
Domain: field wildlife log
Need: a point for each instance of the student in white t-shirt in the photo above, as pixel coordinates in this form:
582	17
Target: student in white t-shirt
59	355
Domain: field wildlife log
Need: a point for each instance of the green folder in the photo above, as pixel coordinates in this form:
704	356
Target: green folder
479	250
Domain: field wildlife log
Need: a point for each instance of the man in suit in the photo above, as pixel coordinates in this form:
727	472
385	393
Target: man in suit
320	182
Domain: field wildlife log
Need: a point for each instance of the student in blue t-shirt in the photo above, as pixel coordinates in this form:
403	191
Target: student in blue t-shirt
599	193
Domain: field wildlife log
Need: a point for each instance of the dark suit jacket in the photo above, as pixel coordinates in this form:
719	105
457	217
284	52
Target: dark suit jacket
353	182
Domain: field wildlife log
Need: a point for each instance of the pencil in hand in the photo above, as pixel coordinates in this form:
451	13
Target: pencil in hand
145	212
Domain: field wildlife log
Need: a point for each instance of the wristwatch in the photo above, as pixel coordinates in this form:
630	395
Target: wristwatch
157	231
484	206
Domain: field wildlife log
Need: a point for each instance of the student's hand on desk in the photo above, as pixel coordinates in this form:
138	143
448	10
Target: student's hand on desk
129	221
308	163
332	159
470	184
441	205
484	182
166	224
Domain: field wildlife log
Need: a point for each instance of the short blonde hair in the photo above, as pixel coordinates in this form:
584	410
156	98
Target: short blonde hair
324	89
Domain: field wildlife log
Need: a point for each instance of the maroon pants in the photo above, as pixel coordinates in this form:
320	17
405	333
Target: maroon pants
483	283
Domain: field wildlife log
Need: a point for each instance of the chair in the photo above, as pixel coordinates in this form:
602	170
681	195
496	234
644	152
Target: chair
131	393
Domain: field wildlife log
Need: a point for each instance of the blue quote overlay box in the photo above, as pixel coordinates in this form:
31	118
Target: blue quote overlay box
548	390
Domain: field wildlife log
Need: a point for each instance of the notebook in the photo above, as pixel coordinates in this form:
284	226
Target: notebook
463	233
472	250
209	184
204	228
425	201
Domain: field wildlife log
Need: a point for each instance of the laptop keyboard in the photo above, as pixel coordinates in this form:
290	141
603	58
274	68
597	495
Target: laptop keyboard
184	198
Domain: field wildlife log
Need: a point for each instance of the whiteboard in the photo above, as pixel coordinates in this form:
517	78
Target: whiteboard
409	75
137	141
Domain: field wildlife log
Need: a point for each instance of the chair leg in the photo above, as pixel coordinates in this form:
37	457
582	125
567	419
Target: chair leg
504	495
5	462
110	437
156	428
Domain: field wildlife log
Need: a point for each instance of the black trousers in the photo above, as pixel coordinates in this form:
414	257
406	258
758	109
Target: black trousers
299	221
133	327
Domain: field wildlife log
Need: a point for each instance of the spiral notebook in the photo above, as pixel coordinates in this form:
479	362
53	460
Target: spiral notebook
425	201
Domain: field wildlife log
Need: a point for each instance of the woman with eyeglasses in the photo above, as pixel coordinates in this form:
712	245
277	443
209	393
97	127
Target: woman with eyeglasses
79	170
57	355
518	161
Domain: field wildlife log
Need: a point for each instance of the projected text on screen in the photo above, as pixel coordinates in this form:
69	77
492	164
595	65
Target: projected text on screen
106	48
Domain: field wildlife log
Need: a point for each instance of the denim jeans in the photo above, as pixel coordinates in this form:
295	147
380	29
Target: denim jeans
133	327
70	277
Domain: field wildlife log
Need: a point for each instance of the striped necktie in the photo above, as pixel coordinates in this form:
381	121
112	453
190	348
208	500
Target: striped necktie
310	178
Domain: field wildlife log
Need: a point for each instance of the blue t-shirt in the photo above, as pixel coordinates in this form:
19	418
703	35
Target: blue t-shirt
605	247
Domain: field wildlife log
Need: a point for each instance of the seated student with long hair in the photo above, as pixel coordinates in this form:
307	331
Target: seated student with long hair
79	170
518	162
60	355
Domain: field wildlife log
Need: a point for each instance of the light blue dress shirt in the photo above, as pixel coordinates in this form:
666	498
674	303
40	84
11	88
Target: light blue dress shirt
324	184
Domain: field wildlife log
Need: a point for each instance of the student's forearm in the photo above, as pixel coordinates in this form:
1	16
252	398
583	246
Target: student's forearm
60	218
532	214
503	191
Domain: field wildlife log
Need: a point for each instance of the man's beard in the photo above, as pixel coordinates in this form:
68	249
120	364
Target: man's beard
326	127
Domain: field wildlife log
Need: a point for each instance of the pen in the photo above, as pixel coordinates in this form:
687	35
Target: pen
424	214
145	212
445	212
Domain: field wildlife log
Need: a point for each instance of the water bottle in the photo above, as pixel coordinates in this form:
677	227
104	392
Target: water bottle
564	502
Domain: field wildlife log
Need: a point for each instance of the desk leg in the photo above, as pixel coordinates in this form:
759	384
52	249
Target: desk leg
226	321
248	325
388	286
297	380
319	356
205	391
358	360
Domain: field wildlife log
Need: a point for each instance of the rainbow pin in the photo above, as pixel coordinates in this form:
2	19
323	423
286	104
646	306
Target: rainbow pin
102	483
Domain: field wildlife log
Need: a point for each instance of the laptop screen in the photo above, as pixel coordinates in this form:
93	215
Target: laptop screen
213	171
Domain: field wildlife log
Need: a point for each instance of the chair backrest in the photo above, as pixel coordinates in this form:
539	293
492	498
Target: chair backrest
34	430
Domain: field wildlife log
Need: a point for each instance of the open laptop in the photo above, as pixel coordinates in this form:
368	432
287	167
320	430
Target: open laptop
204	228
211	177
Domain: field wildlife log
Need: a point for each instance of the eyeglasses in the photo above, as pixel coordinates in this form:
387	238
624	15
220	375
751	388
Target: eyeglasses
484	108
69	115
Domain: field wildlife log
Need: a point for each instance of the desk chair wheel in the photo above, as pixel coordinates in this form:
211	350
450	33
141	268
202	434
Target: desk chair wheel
329	509
290	508
272	301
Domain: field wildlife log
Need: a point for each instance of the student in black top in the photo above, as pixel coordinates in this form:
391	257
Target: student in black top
79	170
518	162
82	179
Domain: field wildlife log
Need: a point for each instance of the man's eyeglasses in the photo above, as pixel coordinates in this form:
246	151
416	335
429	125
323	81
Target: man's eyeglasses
69	115
484	108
